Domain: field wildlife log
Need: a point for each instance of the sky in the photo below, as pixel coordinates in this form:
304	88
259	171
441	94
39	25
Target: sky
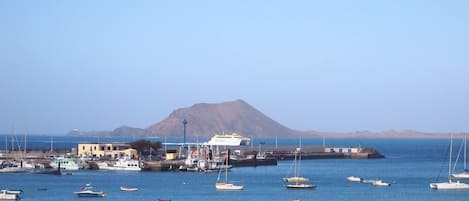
336	65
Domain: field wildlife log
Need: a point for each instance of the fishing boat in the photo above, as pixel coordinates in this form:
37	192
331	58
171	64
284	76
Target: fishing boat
121	165
450	184
226	185
64	163
465	173
5	195
354	179
128	188
87	191
14	167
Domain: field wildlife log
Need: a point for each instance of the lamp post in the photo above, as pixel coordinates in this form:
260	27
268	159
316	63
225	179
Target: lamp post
184	122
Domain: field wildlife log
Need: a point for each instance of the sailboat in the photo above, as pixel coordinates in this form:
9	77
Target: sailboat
465	174
226	185
297	180
450	185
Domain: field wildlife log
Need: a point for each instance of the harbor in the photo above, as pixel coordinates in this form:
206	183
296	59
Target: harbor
205	156
408	168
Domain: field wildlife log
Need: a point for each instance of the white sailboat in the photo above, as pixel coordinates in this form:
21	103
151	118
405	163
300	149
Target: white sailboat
450	185
465	174
298	181
226	185
296	177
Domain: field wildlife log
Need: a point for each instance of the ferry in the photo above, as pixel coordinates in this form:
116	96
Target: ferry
232	139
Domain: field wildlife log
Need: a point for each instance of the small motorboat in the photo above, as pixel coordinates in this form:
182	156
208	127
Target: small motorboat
162	200
4	195
380	183
87	191
354	179
128	188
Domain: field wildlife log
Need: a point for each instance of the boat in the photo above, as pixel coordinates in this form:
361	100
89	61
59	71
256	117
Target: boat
226	185
121	165
380	183
14	167
450	184
298	181
297	162
465	173
300	186
354	179
128	188
5	195
63	163
232	139
87	191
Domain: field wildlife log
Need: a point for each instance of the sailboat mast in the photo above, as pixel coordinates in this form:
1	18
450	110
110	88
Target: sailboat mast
25	133
450	155
465	138
299	161
226	167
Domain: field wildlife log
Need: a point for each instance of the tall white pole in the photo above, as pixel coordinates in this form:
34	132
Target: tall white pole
450	155
25	133
465	138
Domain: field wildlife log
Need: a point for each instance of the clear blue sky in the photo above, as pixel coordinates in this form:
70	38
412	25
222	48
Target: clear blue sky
310	65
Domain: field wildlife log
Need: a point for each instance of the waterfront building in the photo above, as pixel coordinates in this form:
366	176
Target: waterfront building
342	149
107	150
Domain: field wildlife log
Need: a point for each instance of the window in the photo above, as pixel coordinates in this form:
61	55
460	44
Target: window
83	147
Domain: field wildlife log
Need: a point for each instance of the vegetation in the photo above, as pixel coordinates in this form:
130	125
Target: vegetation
145	146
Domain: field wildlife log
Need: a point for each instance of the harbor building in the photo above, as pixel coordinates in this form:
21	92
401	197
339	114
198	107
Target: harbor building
342	149
106	150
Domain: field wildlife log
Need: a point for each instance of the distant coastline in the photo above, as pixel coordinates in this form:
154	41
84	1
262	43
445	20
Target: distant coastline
207	119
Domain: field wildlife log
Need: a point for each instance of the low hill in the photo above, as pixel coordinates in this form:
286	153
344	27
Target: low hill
206	119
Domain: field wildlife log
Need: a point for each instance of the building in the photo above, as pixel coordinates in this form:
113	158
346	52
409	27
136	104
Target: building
342	149
106	150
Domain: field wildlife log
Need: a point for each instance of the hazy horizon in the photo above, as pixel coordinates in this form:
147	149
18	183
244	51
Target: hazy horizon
340	66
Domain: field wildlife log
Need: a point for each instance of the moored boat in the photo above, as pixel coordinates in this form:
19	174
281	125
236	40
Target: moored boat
128	188
354	179
121	165
63	163
300	186
380	183
87	191
5	195
450	184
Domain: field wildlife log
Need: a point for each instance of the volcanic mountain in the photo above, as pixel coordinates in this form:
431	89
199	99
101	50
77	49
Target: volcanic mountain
205	119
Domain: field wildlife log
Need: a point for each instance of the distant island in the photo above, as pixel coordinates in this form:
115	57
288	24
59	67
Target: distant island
204	120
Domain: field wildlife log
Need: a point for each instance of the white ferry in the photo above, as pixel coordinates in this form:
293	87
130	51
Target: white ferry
232	139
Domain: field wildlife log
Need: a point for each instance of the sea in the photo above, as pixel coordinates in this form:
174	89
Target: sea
409	164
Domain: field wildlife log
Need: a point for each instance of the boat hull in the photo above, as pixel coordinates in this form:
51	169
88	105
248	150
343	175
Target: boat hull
228	186
296	179
300	186
449	186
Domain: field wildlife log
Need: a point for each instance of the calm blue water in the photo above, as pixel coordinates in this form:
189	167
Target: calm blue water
410	164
